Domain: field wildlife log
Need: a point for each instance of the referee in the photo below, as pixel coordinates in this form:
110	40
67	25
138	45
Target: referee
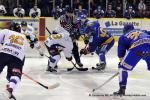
67	21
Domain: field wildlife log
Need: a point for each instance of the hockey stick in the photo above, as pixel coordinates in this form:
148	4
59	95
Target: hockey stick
74	66
106	82
44	86
48	31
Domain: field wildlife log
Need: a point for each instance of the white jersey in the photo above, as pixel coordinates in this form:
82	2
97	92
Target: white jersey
32	11
63	39
22	11
2	8
29	31
14	43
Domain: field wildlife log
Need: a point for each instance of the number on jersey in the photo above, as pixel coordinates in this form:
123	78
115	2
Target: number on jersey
56	36
16	39
134	35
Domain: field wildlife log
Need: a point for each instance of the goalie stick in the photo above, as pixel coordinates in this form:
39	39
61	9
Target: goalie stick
39	83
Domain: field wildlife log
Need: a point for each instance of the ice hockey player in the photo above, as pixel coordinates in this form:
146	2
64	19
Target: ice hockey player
68	22
97	39
12	55
58	41
29	31
137	45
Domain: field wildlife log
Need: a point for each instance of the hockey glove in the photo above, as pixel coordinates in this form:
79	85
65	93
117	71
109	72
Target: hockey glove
32	45
84	51
86	41
69	59
28	37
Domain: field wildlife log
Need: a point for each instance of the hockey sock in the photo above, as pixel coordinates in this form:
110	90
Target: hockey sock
102	58
14	80
123	75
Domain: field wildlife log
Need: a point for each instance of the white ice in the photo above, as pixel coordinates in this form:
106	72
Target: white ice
77	85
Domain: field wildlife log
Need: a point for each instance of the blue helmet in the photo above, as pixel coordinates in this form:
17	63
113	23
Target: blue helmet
128	27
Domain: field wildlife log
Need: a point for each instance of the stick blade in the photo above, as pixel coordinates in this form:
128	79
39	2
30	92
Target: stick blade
54	86
82	69
70	69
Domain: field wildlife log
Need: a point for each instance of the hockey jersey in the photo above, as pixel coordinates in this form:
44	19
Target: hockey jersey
62	40
14	43
135	39
98	36
29	32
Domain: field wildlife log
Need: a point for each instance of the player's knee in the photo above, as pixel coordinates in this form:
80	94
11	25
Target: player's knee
16	72
54	52
13	74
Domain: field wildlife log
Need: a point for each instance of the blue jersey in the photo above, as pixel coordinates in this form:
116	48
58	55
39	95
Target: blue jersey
98	36
135	39
128	14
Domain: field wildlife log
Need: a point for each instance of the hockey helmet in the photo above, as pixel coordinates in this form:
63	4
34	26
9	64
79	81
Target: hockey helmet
128	27
15	27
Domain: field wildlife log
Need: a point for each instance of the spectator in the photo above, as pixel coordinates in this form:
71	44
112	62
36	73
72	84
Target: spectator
142	8
35	12
46	7
110	13
119	8
129	13
2	9
57	12
10	5
135	5
80	11
19	11
98	13
26	5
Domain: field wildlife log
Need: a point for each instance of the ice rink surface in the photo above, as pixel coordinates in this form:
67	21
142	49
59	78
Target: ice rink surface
75	85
